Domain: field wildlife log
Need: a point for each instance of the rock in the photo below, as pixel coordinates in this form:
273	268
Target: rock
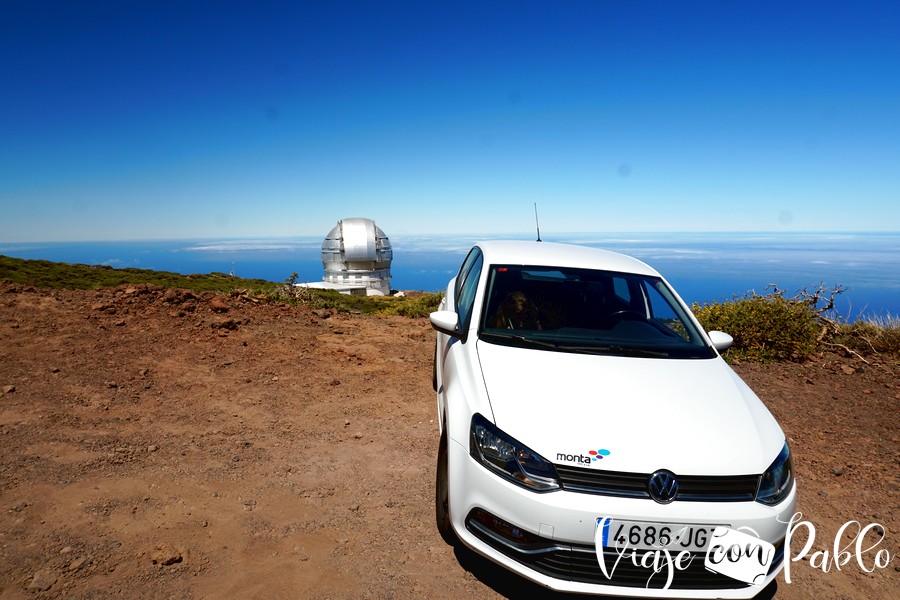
837	471
42	581
218	305
848	370
229	324
178	296
166	554
78	563
152	448
9	389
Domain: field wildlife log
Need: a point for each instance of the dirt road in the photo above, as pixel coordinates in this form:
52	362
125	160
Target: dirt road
157	444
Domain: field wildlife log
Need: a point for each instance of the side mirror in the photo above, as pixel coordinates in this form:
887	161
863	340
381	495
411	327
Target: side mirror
721	341
445	321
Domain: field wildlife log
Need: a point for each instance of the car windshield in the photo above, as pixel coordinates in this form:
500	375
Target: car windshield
587	311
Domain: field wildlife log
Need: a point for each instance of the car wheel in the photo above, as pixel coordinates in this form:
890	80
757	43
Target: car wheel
442	495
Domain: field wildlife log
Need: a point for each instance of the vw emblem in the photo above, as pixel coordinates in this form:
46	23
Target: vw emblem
662	486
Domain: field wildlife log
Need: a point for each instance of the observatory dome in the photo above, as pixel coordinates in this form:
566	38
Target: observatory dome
357	254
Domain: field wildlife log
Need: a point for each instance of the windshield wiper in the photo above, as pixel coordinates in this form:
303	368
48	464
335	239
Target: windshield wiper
601	349
616	350
522	339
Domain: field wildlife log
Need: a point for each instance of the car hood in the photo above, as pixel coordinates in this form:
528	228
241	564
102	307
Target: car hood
690	416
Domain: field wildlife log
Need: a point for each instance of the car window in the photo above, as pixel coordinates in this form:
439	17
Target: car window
587	311
466	284
662	311
464	269
620	289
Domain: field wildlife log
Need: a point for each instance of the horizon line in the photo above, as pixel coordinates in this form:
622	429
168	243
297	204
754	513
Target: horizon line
480	236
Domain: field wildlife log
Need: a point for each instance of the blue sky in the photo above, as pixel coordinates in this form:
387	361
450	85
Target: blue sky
167	120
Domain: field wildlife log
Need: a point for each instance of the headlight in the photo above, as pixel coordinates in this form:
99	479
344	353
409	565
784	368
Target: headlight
776	481
509	458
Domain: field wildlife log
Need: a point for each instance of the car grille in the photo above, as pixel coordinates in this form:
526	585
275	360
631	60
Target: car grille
697	488
576	562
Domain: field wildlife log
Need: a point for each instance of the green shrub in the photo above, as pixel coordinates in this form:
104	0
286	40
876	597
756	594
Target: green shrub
413	305
765	327
317	298
876	335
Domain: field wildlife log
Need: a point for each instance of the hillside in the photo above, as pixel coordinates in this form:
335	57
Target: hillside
162	443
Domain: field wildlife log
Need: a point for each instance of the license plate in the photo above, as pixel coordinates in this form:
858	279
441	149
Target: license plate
647	535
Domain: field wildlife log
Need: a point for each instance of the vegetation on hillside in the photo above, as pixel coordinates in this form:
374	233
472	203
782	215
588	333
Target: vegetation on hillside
411	304
774	327
47	274
766	327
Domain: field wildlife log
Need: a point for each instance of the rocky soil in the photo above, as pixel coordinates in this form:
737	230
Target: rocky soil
159	444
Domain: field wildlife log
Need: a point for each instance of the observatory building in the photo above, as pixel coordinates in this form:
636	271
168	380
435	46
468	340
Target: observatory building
357	258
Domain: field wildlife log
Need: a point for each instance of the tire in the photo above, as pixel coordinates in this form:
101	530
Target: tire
442	495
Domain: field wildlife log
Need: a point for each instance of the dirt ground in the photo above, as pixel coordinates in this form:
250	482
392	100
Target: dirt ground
159	444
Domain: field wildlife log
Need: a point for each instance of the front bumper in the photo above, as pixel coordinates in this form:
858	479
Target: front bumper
548	538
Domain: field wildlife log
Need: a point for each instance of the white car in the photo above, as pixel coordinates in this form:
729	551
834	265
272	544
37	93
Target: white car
593	440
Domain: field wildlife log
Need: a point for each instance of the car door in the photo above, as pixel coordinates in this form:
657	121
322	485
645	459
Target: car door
456	359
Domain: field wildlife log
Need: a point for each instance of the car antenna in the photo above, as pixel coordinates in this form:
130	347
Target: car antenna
537	223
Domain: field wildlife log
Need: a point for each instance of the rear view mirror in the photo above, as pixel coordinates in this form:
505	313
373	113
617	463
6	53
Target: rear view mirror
445	321
721	341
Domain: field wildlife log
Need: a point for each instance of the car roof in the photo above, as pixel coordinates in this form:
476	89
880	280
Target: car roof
551	254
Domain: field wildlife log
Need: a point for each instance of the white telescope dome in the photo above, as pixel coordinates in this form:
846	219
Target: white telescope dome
357	253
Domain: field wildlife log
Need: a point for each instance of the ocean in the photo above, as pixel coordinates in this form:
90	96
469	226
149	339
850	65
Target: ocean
703	267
